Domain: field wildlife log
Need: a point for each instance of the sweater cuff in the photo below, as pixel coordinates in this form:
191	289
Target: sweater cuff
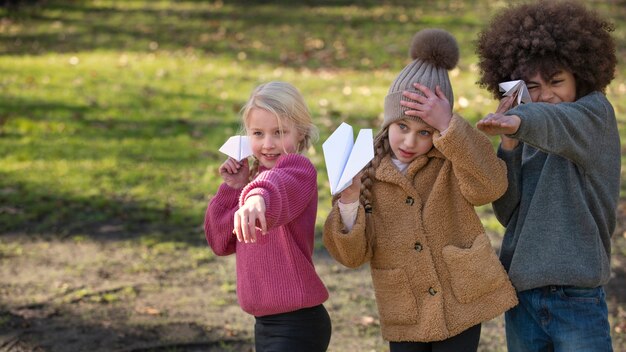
519	131
339	227
256	192
348	213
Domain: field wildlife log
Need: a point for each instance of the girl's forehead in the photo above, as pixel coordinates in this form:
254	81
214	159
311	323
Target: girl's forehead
261	117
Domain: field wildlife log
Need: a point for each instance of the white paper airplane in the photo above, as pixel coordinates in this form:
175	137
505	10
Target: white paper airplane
345	158
517	88
237	147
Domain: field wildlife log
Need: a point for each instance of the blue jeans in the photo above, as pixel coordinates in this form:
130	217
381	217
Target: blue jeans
560	319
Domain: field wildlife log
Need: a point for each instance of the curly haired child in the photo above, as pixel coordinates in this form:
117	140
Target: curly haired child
265	215
563	157
412	217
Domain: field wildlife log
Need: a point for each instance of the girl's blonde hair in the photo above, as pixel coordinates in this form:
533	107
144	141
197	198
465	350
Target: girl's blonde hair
286	103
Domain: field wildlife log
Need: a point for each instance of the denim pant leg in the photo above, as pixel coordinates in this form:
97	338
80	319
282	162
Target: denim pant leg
524	324
579	319
560	319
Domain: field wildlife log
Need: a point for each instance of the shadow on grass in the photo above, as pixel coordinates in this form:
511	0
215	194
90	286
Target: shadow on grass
49	329
32	210
283	34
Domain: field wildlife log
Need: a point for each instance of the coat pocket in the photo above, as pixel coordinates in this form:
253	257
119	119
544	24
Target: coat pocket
475	271
395	300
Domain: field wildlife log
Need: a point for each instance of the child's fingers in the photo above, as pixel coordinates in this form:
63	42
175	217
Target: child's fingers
411	105
250	229
237	227
419	113
245	231
224	167
244	163
440	93
485	121
415	100
493	123
234	164
422	88
263	223
230	166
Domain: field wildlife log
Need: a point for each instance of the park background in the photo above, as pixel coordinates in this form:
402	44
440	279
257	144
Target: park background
111	116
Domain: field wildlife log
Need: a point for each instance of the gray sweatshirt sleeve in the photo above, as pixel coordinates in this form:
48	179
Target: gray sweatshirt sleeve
574	130
506	205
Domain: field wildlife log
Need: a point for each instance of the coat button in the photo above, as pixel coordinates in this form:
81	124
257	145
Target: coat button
410	200
418	246
432	291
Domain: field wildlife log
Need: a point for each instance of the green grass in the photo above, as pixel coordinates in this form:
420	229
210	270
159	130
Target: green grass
111	112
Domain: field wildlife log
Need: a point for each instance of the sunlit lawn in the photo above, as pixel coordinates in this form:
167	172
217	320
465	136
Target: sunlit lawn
111	113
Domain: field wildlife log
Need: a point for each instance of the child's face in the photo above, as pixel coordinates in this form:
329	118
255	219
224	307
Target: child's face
409	139
266	140
560	88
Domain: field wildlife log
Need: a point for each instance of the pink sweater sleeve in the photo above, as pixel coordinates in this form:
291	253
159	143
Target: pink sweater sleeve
218	220
287	189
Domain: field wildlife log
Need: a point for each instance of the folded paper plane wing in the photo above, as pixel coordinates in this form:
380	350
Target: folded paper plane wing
516	88
237	147
345	158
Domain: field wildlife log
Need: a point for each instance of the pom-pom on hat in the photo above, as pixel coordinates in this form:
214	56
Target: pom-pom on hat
434	52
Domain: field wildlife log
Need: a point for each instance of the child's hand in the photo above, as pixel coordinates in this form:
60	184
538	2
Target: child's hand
499	124
433	108
246	218
235	174
489	125
353	192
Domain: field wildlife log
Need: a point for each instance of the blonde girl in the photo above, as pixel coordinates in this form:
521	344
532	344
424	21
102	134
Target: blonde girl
265	214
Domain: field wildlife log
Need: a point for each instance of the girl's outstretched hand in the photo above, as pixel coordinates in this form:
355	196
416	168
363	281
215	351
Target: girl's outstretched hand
247	217
433	108
235	174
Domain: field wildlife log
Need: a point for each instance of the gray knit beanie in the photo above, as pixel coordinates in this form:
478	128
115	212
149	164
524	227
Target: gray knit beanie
434	52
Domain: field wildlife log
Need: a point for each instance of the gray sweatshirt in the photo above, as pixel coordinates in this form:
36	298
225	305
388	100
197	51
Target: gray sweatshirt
560	207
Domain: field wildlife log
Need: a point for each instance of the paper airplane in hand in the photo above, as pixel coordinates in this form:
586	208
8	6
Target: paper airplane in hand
237	147
345	158
517	88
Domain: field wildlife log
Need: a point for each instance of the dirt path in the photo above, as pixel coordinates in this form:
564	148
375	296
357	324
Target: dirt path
82	294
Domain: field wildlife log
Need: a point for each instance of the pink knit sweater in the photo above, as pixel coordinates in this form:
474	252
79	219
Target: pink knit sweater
275	274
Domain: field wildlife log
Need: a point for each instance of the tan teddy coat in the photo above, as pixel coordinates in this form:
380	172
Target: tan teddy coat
434	271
